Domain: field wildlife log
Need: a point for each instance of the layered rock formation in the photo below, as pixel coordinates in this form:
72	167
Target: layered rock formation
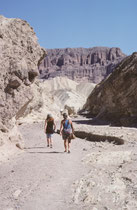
115	98
80	64
20	55
54	95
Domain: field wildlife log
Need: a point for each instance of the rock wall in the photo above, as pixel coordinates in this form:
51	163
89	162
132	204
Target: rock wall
80	64
20	55
115	98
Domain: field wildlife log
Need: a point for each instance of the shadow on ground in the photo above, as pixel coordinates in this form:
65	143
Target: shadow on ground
117	122
98	138
91	121
52	152
34	147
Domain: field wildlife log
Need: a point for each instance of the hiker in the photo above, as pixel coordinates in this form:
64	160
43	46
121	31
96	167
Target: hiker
49	129
66	129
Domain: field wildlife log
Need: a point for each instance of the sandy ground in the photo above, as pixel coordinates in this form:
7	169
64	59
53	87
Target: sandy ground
41	178
94	176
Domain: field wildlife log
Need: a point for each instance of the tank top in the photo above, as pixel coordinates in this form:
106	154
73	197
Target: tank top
67	127
49	128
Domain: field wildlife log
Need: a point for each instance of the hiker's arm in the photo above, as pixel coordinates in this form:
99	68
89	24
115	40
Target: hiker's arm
54	126
72	127
45	125
61	127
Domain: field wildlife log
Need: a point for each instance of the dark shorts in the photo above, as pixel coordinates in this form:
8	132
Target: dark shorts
65	136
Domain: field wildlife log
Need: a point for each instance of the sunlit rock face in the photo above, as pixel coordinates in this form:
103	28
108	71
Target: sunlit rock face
20	55
56	96
115	98
80	64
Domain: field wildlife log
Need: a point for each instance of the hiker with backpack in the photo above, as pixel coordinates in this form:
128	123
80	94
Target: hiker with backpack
66	129
49	129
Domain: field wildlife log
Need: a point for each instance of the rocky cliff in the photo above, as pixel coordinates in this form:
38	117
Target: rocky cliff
80	64
20	55
115	98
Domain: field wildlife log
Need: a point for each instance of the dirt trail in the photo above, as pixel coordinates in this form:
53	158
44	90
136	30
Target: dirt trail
41	178
94	176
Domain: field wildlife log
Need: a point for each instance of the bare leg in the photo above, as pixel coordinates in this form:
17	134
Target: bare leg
65	145
50	142
47	142
68	146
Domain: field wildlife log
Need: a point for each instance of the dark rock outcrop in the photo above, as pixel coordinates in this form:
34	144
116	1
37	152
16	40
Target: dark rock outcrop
80	64
115	98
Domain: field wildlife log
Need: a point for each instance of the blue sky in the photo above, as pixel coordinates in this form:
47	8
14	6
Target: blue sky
78	23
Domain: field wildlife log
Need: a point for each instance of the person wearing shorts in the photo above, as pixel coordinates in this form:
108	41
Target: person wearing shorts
49	129
66	128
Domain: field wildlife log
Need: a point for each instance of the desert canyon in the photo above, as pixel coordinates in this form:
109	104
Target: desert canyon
97	87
